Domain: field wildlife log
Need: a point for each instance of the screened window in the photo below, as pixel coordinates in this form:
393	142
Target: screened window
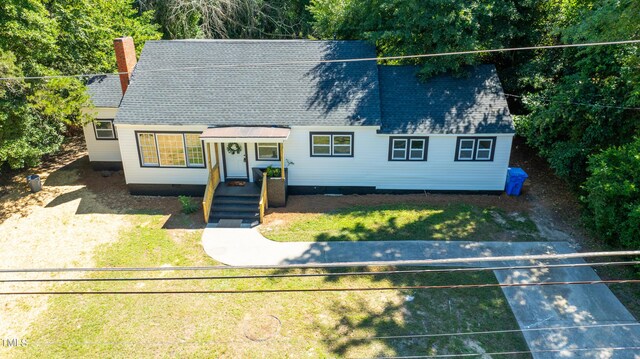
170	150
332	144
408	148
475	148
267	151
104	130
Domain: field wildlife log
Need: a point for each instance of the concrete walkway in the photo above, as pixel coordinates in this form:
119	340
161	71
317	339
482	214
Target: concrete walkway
534	307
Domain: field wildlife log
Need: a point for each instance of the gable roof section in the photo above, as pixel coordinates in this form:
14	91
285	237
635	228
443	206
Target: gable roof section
105	90
227	91
474	104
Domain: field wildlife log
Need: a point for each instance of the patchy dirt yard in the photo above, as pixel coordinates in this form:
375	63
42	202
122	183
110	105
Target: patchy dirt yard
77	211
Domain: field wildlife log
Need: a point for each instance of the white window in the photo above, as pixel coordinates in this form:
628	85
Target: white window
104	130
408	148
399	151
465	149
170	150
267	151
484	149
321	145
416	151
341	145
332	144
475	148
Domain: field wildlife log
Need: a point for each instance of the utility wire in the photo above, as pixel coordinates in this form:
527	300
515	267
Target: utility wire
367	338
581	103
488	332
513	352
313	62
335	289
422	262
341	274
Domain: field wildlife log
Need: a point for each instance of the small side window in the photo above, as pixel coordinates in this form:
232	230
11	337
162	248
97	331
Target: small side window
331	144
408	148
267	152
475	148
104	130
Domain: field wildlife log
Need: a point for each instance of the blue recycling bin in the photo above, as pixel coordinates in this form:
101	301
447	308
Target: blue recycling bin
515	179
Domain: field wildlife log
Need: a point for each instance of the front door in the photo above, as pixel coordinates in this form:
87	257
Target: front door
235	160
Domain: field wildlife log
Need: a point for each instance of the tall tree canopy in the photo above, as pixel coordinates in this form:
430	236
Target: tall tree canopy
406	27
50	38
236	19
577	97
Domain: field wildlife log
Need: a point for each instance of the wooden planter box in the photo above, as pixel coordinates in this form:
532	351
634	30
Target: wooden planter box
276	187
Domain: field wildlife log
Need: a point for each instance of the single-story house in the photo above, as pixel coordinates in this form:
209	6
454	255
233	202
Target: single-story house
195	112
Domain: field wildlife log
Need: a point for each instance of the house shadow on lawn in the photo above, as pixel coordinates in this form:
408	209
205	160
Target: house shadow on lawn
105	192
410	221
399	322
405	322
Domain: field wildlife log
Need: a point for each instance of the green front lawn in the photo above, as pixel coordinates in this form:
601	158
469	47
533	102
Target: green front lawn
331	324
406	221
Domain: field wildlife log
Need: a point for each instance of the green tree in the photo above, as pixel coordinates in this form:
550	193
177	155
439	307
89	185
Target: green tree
87	29
234	19
577	97
34	118
406	27
51	38
613	194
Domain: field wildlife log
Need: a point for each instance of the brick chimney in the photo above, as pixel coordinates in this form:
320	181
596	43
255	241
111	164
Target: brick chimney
126	59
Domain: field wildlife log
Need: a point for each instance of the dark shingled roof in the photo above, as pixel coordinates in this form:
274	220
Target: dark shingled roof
230	93
333	94
472	104
105	90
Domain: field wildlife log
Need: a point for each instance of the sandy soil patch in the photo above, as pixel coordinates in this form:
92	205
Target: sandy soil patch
77	211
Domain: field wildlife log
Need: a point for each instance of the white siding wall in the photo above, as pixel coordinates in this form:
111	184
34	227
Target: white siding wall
101	150
136	174
368	167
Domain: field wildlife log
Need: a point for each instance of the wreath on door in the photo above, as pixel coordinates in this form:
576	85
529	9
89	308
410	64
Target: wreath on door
233	148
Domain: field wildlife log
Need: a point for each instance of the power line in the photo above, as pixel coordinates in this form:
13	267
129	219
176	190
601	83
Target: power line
399	263
368	338
514	352
581	103
335	289
313	62
341	274
488	332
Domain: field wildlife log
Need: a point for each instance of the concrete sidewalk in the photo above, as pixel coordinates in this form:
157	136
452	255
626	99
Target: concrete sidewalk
534	307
